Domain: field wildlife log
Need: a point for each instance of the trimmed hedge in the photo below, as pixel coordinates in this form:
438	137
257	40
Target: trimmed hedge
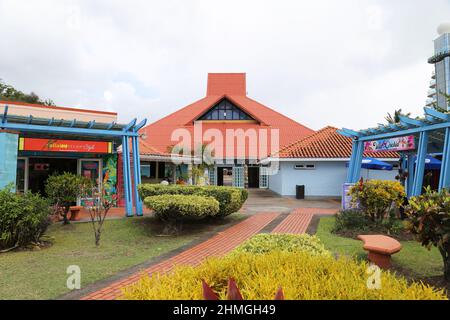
230	199
265	243
301	275
23	218
182	207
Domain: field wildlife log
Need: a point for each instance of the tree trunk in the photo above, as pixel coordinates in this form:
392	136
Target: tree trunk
65	213
445	252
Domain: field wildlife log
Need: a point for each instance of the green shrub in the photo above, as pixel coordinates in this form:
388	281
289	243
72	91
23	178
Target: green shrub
429	219
23	218
265	243
174	209
230	199
64	189
301	275
376	197
351	220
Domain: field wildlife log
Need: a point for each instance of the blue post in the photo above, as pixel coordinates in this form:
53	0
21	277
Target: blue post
410	178
358	160
420	164
136	165
127	177
352	163
444	179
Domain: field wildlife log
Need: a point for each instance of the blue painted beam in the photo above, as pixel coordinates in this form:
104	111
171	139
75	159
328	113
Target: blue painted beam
50	122
351	133
356	174
66	130
130	125
420	164
436	114
136	167
5	114
127	177
91	124
410	178
73	122
345	134
30	119
444	178
109	127
410	122
352	163
139	125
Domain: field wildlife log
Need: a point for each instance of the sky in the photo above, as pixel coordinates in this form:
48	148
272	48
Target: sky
343	63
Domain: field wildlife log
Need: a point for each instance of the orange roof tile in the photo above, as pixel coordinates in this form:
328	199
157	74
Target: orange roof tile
326	143
232	87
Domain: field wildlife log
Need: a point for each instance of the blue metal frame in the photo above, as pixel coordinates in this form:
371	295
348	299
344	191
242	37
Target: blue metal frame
91	129
432	121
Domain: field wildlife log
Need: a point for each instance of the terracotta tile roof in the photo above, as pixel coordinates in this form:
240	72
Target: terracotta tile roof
326	143
231	87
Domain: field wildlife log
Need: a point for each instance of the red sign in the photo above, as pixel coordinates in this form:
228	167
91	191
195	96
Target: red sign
55	145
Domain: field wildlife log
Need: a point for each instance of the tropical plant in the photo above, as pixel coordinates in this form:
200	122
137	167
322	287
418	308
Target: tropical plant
24	218
375	198
265	243
301	275
63	190
429	219
395	117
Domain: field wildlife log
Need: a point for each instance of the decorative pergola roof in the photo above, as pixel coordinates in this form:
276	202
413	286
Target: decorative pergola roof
433	121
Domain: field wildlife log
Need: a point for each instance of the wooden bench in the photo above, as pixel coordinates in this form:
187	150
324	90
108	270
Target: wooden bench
380	249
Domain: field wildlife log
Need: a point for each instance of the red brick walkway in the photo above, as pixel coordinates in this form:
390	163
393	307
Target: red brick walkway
298	220
218	245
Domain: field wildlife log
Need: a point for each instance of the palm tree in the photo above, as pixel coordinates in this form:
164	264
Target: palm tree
395	118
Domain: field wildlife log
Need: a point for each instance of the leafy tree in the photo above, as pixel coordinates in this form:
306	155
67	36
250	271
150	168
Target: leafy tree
9	93
64	189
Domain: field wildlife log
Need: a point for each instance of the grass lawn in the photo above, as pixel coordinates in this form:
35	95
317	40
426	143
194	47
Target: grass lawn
414	259
41	274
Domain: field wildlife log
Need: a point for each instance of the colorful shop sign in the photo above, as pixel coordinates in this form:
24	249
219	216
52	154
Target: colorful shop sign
56	145
392	144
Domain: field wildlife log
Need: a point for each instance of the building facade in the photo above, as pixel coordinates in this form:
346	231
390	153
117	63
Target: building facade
319	162
238	131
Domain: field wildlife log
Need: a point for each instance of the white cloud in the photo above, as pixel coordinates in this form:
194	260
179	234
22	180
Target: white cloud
321	62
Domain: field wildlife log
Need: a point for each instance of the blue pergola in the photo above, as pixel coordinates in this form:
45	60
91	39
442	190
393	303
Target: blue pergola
127	135
432	134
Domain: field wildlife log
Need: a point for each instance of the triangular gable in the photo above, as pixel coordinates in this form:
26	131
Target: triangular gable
225	110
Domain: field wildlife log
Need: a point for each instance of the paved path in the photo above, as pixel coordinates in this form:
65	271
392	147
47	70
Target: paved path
299	219
218	245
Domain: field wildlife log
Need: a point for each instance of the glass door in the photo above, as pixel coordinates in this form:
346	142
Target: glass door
91	169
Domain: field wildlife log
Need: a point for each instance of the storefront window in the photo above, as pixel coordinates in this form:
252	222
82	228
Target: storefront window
20	177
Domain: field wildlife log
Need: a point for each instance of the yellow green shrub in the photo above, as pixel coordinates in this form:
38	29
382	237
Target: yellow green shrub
301	275
264	243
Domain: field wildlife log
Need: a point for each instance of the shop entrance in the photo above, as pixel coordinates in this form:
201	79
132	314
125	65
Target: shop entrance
225	176
253	177
41	168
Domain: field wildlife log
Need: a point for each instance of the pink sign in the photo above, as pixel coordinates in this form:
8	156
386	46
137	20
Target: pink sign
392	144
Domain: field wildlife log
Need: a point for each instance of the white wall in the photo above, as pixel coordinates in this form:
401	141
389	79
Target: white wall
324	181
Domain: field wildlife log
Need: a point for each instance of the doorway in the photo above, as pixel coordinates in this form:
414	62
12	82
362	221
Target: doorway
253	177
225	176
39	169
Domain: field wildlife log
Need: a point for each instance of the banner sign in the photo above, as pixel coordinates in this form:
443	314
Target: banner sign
56	145
392	144
346	198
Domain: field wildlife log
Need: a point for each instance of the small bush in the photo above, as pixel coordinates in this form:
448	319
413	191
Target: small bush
301	275
23	218
376	197
174	209
351	220
429	219
265	243
230	199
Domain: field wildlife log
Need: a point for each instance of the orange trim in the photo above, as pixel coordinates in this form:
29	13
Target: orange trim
55	107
